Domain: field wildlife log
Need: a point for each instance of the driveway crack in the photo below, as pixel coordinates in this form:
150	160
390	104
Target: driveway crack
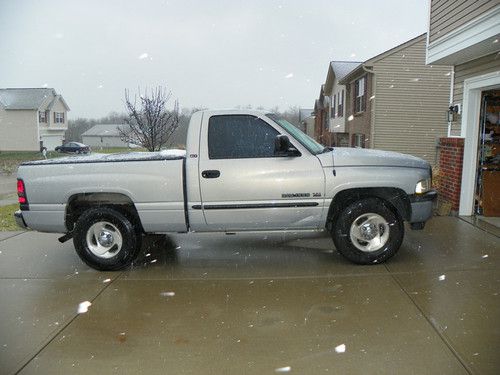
433	324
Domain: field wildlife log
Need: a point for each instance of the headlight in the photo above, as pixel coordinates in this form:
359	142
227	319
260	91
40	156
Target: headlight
423	186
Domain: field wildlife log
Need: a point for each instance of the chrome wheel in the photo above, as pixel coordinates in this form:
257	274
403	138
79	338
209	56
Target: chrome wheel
369	232
104	239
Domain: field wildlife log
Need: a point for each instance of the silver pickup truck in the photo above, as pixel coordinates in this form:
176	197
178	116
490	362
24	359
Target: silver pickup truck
241	171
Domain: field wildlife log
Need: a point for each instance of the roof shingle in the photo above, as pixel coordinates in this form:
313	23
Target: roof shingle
25	98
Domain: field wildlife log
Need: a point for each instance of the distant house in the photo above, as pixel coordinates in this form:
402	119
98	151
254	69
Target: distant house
104	135
466	35
395	102
31	118
321	129
306	119
336	92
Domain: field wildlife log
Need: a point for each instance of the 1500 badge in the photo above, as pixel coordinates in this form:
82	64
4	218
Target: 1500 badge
300	195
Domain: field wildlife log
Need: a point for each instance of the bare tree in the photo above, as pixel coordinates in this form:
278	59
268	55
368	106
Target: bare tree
150	123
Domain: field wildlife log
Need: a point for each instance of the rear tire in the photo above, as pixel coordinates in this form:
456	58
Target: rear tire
105	239
368	231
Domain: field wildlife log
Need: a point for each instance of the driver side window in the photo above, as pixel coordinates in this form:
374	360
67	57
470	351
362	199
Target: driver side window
239	137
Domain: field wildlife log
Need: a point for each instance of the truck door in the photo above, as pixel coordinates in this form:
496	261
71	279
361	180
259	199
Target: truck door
245	186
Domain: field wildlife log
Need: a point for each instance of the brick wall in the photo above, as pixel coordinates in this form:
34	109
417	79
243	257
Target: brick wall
451	154
321	130
359	123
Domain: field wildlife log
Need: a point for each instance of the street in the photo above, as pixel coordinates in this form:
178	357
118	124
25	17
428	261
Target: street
265	304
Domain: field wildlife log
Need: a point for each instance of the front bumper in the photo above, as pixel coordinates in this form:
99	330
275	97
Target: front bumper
18	216
421	206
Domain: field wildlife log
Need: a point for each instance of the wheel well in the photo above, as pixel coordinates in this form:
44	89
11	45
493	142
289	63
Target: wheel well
78	203
396	199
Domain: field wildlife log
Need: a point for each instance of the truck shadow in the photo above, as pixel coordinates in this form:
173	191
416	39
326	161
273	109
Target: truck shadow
156	248
246	251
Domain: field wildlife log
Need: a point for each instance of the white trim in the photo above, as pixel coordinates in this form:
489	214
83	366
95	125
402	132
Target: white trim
470	131
429	4
452	91
485	26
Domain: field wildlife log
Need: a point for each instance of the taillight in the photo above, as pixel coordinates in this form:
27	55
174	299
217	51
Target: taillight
21	192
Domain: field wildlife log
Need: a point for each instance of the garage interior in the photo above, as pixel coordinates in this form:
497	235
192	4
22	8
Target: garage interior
487	197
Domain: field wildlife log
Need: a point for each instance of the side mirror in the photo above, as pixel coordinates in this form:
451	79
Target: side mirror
283	147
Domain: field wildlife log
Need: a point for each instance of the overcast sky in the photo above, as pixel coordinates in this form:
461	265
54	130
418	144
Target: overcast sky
214	54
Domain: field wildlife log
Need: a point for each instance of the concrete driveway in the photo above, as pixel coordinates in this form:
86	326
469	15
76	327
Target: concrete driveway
254	305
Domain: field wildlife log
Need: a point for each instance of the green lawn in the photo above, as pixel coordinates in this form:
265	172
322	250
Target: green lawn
7	221
10	160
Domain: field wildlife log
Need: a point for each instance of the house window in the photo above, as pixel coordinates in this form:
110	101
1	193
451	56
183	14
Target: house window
59	117
360	95
358	140
42	116
332	115
340	109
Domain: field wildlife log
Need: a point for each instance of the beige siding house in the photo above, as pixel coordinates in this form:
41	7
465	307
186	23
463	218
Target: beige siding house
395	101
31	118
449	15
466	36
336	103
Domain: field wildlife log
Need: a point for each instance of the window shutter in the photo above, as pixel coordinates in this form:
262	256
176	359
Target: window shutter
354	97
341	107
366	92
334	104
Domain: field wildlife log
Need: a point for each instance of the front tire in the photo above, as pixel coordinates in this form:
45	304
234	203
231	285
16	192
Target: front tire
368	231
105	239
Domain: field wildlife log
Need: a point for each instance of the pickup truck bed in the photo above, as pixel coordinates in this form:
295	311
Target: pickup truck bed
151	180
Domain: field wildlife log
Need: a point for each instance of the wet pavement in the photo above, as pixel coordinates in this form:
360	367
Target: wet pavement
265	304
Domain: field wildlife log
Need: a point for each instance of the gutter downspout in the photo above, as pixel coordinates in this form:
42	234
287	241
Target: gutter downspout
372	107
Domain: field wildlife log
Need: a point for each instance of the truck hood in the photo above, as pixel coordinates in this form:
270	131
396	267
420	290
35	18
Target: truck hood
346	157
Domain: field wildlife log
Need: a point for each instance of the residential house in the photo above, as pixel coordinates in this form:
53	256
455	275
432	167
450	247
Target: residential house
336	93
104	136
32	118
307	120
466	36
394	101
321	129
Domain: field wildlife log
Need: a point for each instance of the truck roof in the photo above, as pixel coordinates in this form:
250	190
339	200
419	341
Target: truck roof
253	112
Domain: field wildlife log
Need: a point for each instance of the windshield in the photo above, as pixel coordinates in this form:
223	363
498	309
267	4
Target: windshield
306	141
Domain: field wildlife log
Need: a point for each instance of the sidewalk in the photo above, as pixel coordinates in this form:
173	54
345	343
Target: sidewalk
8	200
7	189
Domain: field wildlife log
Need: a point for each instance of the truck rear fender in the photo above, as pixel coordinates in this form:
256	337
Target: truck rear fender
396	199
78	203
